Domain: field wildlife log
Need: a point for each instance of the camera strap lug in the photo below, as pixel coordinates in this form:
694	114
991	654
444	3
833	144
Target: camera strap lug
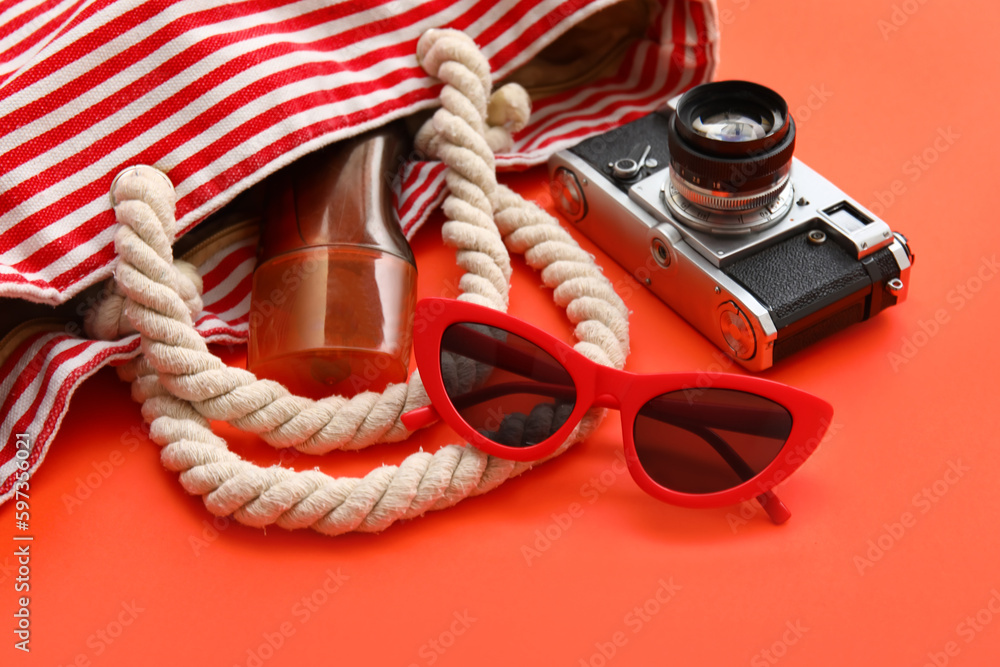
876	302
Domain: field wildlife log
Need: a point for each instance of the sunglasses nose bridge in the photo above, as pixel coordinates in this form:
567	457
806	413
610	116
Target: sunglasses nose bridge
607	401
612	384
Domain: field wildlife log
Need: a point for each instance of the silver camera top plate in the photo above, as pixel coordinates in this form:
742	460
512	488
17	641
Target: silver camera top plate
866	236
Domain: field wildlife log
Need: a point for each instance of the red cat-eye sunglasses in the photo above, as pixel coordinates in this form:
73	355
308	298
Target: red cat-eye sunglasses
516	392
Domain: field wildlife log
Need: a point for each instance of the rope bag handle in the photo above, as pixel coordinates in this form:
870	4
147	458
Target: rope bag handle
182	386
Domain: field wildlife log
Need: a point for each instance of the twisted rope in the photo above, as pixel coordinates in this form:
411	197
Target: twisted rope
182	386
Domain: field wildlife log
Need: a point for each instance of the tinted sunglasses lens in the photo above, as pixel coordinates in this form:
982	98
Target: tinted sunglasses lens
507	388
708	440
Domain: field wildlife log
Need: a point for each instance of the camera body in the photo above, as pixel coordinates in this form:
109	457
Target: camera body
763	255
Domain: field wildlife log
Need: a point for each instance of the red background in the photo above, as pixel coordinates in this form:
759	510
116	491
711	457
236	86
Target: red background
886	557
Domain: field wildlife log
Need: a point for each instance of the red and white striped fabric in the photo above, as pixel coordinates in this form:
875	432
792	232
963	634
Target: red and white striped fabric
220	94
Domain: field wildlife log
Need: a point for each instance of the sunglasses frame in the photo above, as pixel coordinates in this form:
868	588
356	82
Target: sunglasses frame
623	390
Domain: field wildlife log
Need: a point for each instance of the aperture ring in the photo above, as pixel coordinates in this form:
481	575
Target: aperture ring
728	201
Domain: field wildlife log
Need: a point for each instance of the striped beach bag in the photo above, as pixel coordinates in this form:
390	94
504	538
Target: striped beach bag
221	94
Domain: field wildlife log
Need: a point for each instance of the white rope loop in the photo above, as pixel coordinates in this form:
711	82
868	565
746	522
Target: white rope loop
182	386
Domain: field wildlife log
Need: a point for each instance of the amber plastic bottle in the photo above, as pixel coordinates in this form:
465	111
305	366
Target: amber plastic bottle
331	310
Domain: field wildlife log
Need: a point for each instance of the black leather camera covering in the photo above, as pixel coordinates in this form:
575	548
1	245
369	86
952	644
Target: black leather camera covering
795	275
796	278
813	291
628	141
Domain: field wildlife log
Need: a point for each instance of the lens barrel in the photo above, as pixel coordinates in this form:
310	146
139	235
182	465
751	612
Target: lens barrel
731	145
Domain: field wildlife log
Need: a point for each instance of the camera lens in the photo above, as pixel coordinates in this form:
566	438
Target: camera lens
731	146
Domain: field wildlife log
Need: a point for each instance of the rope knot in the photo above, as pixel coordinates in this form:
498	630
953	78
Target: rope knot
145	185
143	199
439	46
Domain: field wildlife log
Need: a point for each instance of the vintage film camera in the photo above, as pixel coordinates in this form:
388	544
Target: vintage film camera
703	202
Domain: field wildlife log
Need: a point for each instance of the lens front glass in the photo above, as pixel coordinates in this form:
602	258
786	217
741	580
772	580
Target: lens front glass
708	440
731	123
505	387
731	126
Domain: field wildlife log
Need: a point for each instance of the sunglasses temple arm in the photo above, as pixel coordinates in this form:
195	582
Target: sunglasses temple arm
485	349
558	391
775	509
752	420
567	393
419	418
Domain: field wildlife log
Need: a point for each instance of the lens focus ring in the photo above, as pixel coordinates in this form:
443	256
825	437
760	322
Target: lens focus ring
728	201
